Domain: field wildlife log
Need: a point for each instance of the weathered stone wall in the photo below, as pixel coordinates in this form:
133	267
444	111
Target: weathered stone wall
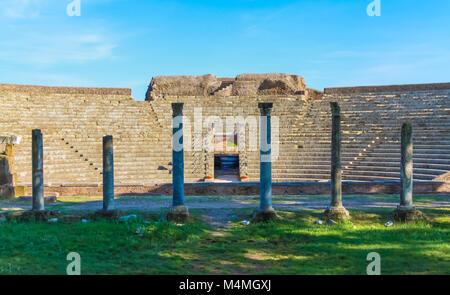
385	109
251	188
371	122
245	85
74	120
200	164
6	176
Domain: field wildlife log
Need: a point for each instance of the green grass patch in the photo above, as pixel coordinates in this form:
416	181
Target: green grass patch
294	245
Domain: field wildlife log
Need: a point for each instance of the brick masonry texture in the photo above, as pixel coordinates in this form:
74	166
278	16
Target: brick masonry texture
250	188
74	120
64	90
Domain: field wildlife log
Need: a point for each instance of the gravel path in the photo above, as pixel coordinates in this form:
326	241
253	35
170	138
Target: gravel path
218	211
287	203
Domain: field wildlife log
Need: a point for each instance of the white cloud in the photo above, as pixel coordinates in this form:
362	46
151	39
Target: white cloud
20	8
34	33
56	48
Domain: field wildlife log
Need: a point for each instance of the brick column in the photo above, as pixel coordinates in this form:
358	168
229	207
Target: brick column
178	212
108	211
336	210
108	173
336	165
406	211
38	170
265	211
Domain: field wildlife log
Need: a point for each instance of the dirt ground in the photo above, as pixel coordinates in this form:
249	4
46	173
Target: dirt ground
219	209
279	202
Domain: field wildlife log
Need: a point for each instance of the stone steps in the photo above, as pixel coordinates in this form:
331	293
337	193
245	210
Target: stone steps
142	134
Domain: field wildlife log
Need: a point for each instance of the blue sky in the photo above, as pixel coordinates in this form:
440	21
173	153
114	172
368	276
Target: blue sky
119	43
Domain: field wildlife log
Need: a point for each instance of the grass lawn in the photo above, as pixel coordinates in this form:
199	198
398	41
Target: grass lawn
294	245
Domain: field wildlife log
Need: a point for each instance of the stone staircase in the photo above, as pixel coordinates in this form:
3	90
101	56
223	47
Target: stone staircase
429	113
225	89
73	128
74	123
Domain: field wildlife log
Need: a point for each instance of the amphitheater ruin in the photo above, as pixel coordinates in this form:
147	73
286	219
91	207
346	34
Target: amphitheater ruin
74	120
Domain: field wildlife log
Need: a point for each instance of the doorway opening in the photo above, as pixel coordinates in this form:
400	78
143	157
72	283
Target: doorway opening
226	167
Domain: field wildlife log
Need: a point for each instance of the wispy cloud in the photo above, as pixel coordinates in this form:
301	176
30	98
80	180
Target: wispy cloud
56	48
33	34
18	9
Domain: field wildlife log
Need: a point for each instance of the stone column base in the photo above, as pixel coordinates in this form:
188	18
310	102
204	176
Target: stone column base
32	215
107	214
7	192
178	214
336	213
263	216
408	214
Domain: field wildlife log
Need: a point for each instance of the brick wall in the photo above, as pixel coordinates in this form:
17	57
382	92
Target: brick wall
73	121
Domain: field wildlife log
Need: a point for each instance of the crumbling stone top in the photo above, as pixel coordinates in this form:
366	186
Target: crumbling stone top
183	85
242	85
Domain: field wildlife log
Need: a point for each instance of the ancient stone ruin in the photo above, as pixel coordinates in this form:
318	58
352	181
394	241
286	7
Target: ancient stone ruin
8	177
243	85
75	120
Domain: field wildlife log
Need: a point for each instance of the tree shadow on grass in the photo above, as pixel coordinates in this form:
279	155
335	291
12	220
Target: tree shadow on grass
293	245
